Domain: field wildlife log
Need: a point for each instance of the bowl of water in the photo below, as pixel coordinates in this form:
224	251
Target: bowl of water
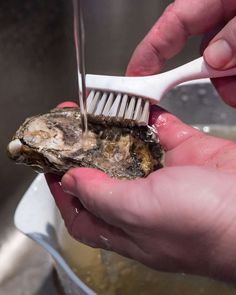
84	270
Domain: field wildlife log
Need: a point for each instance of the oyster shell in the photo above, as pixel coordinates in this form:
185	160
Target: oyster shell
54	142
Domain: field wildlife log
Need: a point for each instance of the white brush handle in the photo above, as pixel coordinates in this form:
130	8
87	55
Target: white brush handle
155	86
197	69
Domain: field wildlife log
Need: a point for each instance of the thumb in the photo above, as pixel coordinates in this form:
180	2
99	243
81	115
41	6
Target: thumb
221	52
111	200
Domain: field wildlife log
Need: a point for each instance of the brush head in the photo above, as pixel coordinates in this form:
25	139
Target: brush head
119	106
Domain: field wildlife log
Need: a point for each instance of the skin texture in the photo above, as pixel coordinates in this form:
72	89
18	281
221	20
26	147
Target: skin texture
181	218
186	207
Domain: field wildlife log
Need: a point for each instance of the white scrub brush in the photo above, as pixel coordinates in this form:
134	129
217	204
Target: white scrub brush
130	97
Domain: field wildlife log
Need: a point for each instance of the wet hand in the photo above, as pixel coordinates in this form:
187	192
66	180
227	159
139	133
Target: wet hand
179	218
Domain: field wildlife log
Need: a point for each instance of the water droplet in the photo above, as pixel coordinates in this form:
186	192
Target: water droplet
202	91
206	129
185	97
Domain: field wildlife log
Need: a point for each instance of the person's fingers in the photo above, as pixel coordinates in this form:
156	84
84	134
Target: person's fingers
67	104
221	51
162	216
96	189
169	34
170	130
203	150
159	44
142	206
68	205
185	145
221	54
226	87
88	228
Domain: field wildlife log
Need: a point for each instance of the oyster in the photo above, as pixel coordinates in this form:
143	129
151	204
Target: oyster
54	142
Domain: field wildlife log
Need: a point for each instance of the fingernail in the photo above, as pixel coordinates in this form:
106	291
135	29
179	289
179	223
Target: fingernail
218	54
68	184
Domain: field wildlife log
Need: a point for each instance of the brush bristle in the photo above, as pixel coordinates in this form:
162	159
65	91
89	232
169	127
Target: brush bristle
118	105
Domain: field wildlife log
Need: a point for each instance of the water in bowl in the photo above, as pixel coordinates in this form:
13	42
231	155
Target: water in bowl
108	273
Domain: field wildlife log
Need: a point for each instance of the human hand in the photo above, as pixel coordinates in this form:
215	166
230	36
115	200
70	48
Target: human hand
179	218
216	19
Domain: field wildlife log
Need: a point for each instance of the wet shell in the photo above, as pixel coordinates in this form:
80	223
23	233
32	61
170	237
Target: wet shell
54	142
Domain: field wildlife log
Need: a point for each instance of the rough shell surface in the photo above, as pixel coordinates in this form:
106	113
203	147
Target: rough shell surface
54	142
